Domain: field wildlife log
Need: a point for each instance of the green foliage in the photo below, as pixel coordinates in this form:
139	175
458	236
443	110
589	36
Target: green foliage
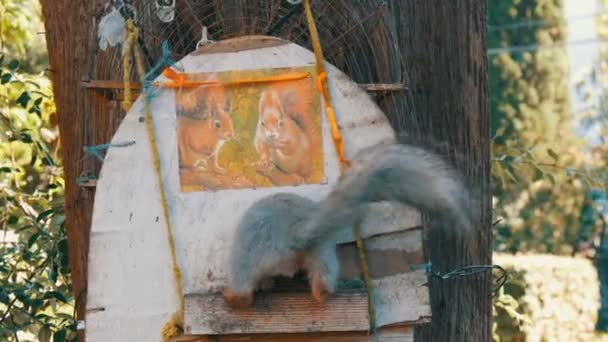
541	169
22	34
35	292
547	298
508	317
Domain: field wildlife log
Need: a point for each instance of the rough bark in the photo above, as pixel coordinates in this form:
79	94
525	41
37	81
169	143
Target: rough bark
85	118
443	44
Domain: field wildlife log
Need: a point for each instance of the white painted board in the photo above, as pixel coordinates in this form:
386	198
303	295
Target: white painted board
130	274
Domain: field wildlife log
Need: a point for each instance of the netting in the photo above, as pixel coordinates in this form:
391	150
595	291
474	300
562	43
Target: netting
358	37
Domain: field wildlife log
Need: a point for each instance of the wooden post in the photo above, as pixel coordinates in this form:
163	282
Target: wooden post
69	25
443	44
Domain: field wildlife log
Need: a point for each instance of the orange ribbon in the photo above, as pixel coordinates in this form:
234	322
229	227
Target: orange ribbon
180	80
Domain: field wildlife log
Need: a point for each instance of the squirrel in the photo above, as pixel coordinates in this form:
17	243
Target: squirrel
285	233
282	140
204	124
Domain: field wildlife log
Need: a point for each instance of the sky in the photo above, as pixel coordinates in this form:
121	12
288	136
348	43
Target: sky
581	27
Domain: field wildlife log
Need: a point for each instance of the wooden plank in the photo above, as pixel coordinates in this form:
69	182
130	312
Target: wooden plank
89	183
116	85
383	258
383	87
277	313
239	44
399	333
108	84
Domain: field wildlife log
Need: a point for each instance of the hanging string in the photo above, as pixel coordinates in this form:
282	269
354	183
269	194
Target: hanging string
174	326
339	145
95	150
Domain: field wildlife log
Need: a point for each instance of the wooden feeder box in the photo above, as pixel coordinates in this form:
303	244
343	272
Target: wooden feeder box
131	291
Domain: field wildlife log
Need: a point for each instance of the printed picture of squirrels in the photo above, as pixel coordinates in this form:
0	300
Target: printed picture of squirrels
248	129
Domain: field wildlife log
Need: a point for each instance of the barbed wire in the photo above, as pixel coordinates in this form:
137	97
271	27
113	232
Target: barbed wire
467	271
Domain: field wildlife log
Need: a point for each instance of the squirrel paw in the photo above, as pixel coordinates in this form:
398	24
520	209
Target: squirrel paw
319	290
238	300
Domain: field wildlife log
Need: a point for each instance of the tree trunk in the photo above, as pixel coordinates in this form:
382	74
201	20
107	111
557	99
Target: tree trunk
443	44
83	120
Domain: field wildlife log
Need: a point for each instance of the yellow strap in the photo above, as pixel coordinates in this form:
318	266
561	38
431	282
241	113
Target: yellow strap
322	85
175	325
339	144
126	61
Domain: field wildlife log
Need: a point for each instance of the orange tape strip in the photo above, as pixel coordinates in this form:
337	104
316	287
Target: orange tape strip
180	80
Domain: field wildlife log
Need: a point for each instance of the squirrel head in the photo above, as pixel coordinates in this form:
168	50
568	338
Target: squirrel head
218	109
271	114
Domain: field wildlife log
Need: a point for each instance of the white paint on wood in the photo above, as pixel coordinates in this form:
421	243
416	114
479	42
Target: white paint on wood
130	272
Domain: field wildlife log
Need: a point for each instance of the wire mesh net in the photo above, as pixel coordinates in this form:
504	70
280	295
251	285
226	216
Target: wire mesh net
358	37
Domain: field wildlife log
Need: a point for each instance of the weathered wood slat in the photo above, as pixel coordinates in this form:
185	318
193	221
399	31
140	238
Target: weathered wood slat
119	85
277	312
400	333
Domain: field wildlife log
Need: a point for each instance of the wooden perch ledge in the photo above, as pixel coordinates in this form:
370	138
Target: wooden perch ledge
290	309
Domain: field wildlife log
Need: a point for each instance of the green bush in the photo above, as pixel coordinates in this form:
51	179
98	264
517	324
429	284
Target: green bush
547	298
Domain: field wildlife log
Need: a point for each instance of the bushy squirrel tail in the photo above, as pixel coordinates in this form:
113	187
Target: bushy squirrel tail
395	172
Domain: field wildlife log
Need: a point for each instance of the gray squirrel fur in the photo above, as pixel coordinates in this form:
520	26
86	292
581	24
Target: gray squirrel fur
284	233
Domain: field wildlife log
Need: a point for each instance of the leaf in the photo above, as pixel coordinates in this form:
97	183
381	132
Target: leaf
34	158
552	154
24	99
65	316
538	174
510	174
32	240
45	333
13	65
52	273
4	298
59	336
46	161
551	178
6	169
13	220
26	255
43	215
4	79
62	247
55	294
26	138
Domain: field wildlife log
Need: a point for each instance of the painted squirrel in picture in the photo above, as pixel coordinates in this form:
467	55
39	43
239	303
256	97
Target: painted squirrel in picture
285	233
285	138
